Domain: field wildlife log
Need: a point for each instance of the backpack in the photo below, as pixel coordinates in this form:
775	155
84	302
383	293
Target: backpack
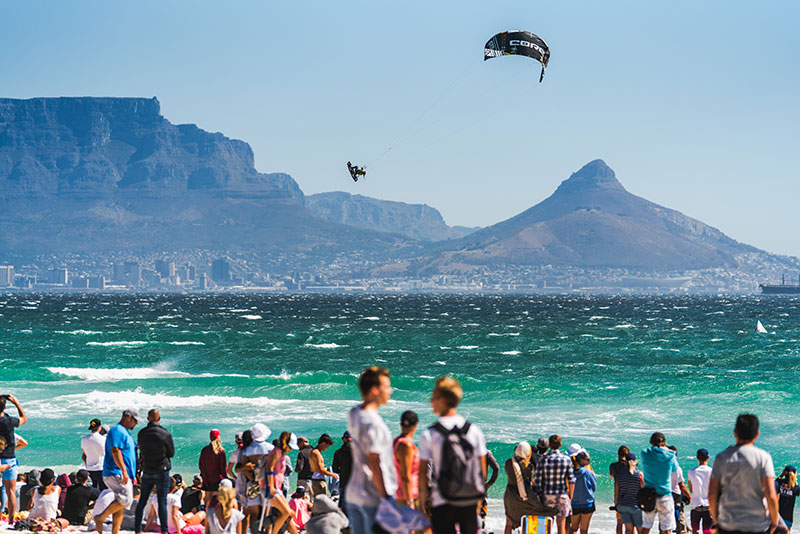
460	477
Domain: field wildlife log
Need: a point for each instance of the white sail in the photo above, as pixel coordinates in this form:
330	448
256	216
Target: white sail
760	328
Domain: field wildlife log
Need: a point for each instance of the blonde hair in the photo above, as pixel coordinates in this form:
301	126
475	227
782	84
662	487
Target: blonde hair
216	446
523	451
791	479
449	390
3	443
226	496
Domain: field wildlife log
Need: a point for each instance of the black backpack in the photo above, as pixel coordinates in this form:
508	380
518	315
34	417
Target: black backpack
459	477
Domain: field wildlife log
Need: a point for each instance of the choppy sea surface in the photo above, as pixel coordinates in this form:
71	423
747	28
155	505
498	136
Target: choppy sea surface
600	371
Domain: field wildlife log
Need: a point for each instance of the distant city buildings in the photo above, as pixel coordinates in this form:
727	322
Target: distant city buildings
6	275
221	271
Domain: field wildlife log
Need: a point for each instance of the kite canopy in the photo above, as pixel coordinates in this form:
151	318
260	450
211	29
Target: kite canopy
518	43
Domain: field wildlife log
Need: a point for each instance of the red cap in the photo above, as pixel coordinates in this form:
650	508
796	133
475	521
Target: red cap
214	434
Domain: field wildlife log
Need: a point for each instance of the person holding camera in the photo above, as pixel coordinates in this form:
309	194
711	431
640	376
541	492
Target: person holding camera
8	455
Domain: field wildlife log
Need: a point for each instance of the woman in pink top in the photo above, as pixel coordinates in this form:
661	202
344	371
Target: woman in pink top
274	471
406	461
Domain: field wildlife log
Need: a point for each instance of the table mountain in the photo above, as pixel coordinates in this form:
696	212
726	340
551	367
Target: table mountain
416	221
101	174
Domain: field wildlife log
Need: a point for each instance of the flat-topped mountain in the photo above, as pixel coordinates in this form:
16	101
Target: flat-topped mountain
417	221
112	174
592	221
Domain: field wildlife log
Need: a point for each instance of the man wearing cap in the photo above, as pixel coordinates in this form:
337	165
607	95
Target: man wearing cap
699	478
343	464
658	463
541	451
93	453
156	449
119	469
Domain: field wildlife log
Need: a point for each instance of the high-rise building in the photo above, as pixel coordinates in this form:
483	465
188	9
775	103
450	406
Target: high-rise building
165	268
6	275
61	276
97	282
221	271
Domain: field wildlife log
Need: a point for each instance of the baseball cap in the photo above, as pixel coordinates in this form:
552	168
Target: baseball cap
293	442
346	435
225	483
702	454
133	413
790	468
630	456
197	479
260	432
542	444
214	434
238	437
178	479
95	423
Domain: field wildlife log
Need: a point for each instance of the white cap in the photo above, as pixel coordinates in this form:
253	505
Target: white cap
575	449
293	442
225	483
260	432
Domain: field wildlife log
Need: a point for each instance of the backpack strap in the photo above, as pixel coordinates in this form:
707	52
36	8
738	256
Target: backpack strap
440	428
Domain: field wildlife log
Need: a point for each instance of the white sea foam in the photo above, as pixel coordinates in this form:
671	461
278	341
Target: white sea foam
116	343
494	334
510	353
625	325
467	347
79	332
185	343
373	318
136	373
251	317
324	345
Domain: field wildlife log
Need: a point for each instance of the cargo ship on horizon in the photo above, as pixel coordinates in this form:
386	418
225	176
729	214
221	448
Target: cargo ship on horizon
782	289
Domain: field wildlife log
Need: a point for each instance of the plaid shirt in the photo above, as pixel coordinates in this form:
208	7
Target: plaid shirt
553	472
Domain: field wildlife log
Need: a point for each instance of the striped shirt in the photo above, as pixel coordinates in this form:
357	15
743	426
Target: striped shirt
629	486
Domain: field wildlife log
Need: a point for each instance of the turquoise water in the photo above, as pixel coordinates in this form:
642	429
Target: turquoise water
600	371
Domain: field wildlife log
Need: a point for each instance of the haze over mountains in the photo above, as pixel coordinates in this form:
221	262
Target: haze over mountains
113	176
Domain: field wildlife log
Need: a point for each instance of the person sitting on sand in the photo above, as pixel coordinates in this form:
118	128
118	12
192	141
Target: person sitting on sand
79	497
176	521
223	517
45	500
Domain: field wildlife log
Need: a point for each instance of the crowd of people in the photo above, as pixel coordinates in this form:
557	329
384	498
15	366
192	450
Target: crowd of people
382	483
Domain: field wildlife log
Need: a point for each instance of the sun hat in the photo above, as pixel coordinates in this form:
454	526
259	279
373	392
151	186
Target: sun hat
575	449
293	442
260	432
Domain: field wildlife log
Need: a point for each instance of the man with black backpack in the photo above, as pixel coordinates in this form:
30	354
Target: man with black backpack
456	452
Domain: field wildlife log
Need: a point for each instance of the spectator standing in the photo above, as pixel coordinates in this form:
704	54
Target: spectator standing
303	465
627	483
448	510
583	504
319	484
741	491
698	486
658	464
373	476
8	455
555	479
93	453
680	494
213	465
156	449
788	490
620	465
342	465
406	461
119	470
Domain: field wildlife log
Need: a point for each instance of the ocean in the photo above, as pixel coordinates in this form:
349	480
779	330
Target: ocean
600	371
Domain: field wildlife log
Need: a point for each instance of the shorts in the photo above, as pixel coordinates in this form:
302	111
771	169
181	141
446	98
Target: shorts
699	515
630	515
214	486
580	511
561	502
123	493
10	473
665	509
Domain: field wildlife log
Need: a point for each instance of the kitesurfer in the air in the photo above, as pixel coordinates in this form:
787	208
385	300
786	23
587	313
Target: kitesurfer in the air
356	171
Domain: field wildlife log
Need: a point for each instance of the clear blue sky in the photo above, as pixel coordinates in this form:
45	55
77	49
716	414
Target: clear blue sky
695	104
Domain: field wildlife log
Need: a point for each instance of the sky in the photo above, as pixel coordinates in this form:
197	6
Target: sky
695	105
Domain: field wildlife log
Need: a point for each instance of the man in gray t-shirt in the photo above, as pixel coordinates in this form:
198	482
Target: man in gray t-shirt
742	479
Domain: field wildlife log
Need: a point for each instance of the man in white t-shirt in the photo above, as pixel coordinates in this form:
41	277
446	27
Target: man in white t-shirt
444	515
741	490
93	453
698	485
373	475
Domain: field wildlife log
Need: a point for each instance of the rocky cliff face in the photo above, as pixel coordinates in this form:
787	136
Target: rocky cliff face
112	174
416	221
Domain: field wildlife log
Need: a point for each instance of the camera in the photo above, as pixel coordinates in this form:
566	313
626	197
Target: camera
612	508
4	397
